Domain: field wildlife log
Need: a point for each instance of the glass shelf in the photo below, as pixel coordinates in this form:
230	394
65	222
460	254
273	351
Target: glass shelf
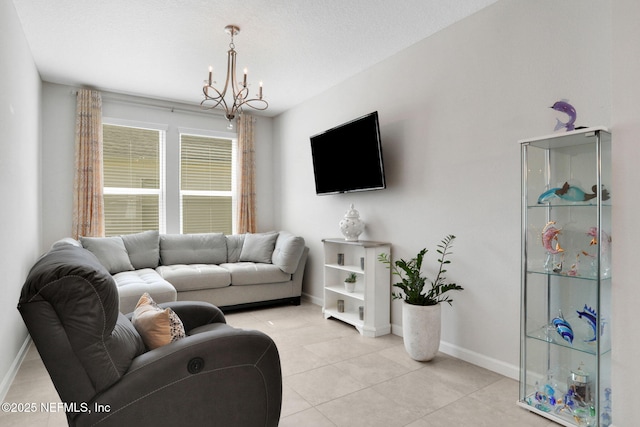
549	335
566	205
567	275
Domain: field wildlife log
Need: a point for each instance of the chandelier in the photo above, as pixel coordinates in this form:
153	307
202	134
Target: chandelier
239	93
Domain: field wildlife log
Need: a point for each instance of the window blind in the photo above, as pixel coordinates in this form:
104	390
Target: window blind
133	178
206	184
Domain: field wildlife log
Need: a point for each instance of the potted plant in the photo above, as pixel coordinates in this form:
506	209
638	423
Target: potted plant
421	307
350	282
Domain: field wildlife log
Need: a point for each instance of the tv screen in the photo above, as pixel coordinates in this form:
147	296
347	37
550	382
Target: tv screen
349	157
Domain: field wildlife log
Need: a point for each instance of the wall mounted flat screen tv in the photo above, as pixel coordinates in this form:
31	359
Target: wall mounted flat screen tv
349	157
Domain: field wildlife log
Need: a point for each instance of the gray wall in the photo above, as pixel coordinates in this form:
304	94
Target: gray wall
20	213
625	70
452	108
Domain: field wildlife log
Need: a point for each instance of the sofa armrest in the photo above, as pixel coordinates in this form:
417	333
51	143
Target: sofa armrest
229	375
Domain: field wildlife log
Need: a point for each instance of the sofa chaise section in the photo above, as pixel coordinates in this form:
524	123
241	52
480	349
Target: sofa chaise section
132	284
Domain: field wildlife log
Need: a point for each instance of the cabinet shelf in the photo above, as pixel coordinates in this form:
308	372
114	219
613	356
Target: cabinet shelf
563	417
350	268
567	276
372	292
339	289
567	302
548	335
564	205
347	317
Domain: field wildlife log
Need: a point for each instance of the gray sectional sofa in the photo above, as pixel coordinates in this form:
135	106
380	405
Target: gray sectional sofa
229	271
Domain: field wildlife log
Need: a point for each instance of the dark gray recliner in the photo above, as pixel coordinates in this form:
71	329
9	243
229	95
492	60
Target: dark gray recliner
216	376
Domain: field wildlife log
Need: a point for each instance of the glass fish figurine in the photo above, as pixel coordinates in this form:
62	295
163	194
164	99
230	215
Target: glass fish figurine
590	316
570	193
563	328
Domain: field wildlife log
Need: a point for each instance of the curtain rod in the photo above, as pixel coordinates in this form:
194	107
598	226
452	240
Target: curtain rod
172	106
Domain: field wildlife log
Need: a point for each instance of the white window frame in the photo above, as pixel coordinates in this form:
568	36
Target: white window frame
233	137
161	192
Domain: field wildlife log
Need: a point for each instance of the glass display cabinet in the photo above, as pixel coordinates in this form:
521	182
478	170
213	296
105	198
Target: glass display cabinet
565	354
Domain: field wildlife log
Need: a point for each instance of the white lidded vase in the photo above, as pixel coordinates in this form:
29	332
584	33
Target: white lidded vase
421	330
351	225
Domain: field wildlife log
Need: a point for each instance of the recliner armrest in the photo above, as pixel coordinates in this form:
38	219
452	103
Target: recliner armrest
201	375
195	313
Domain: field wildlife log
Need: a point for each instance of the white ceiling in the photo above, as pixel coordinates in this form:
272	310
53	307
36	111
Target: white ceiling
162	48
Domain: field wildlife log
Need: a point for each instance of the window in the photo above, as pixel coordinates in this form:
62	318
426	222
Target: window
133	161
206	184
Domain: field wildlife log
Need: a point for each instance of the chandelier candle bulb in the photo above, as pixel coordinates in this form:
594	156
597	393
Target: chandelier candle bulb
260	92
210	75
244	80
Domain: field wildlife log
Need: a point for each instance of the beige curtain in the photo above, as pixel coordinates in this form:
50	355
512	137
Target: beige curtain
88	200
246	208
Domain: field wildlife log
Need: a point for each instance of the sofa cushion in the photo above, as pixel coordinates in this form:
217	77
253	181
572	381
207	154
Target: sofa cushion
191	277
258	247
110	251
288	251
143	248
132	284
205	248
156	326
250	273
234	247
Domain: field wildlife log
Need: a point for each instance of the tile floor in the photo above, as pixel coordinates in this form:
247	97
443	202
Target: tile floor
334	377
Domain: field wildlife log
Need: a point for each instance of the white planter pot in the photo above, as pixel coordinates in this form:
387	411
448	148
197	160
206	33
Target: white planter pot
421	330
350	286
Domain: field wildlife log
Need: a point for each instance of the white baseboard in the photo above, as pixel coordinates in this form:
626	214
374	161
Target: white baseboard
13	369
498	366
396	330
495	365
312	299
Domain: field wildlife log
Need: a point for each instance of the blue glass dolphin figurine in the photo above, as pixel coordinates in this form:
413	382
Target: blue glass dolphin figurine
570	193
589	314
563	328
565	107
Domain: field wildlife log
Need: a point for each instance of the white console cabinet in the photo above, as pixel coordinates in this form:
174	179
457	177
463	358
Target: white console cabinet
372	294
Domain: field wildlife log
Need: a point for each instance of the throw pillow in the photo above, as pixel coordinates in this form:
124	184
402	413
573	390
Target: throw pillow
143	248
258	247
110	251
234	247
156	326
288	250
